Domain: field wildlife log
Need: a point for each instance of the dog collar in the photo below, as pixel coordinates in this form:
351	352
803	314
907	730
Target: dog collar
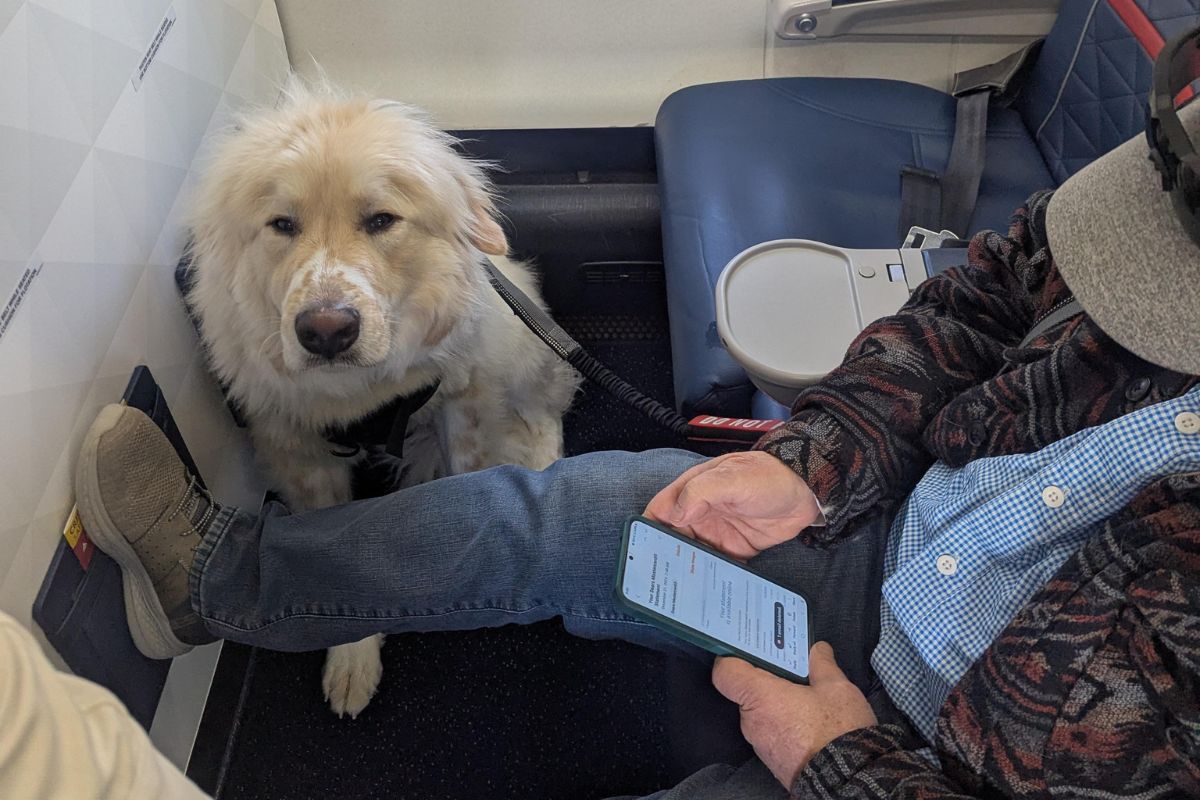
386	425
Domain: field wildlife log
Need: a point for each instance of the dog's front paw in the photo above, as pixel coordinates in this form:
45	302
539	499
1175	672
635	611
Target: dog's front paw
352	673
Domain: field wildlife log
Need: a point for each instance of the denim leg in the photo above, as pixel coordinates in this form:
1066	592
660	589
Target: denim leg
478	550
489	548
843	585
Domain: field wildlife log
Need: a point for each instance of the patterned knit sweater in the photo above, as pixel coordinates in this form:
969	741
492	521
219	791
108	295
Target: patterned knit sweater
1093	690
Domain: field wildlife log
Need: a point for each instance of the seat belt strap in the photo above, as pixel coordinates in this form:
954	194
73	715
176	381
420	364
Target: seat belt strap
964	170
1055	317
976	89
1002	79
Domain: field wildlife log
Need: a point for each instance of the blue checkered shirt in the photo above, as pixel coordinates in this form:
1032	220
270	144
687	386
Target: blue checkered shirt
973	544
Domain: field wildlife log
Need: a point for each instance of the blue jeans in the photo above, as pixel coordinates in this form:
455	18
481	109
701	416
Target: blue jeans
490	548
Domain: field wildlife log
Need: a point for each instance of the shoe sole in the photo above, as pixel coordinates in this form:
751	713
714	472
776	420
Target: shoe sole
148	622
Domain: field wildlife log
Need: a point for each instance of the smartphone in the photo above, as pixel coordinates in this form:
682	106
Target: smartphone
712	601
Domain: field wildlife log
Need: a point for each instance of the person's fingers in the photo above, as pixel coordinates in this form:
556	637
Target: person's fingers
662	507
741	682
728	542
822	666
693	501
714	487
713	527
733	678
661	504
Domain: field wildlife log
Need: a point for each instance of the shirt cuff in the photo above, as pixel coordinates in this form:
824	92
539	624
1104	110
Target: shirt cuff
804	446
844	757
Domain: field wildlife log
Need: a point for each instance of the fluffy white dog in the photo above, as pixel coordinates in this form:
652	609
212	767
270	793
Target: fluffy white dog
337	253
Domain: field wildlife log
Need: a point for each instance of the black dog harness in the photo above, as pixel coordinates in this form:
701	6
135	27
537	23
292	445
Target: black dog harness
386	425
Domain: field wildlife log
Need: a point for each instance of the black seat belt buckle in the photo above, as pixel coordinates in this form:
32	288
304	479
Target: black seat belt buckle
920	198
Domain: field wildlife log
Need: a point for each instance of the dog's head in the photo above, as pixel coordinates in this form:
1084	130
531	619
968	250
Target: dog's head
348	227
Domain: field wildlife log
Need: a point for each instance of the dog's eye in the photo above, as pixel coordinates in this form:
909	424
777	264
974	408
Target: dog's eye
378	223
284	225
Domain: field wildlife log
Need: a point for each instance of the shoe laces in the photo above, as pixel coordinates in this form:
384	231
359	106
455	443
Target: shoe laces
189	503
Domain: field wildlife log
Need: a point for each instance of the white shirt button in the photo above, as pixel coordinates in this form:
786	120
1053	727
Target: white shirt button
1053	496
947	564
1187	422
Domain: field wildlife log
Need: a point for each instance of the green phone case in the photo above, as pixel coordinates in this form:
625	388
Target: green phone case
688	634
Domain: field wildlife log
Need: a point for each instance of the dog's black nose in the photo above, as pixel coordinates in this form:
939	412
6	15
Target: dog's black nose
327	330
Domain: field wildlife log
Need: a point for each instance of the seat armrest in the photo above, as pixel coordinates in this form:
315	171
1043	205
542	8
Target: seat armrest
820	19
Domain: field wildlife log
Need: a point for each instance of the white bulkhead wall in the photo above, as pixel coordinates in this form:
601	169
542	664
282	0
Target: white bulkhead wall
94	164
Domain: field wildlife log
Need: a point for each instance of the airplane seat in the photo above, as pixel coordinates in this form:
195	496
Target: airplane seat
744	162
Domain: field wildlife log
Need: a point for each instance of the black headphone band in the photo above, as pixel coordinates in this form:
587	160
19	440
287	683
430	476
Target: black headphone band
1175	70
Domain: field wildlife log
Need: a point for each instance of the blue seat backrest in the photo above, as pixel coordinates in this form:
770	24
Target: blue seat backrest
1087	92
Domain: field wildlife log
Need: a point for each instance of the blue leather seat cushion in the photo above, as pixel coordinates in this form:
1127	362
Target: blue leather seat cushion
744	162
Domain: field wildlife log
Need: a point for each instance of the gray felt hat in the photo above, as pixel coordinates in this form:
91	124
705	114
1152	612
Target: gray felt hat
1126	257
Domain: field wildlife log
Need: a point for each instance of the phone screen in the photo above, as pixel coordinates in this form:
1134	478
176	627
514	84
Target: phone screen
715	597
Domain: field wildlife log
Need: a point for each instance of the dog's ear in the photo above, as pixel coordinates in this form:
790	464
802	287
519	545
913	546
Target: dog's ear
485	232
482	229
480	226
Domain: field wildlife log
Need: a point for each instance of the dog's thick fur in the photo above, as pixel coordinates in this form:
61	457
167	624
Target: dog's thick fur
329	164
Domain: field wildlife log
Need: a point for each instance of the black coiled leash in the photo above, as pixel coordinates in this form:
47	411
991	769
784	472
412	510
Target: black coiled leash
701	428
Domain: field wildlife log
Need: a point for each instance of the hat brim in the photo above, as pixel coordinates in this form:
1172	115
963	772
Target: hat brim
1126	257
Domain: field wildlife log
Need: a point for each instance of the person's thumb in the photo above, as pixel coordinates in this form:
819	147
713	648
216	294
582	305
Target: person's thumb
822	666
741	681
693	501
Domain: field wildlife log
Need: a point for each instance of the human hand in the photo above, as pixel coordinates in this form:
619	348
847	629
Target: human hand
738	503
786	723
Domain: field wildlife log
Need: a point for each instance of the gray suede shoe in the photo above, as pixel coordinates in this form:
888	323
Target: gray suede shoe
140	505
